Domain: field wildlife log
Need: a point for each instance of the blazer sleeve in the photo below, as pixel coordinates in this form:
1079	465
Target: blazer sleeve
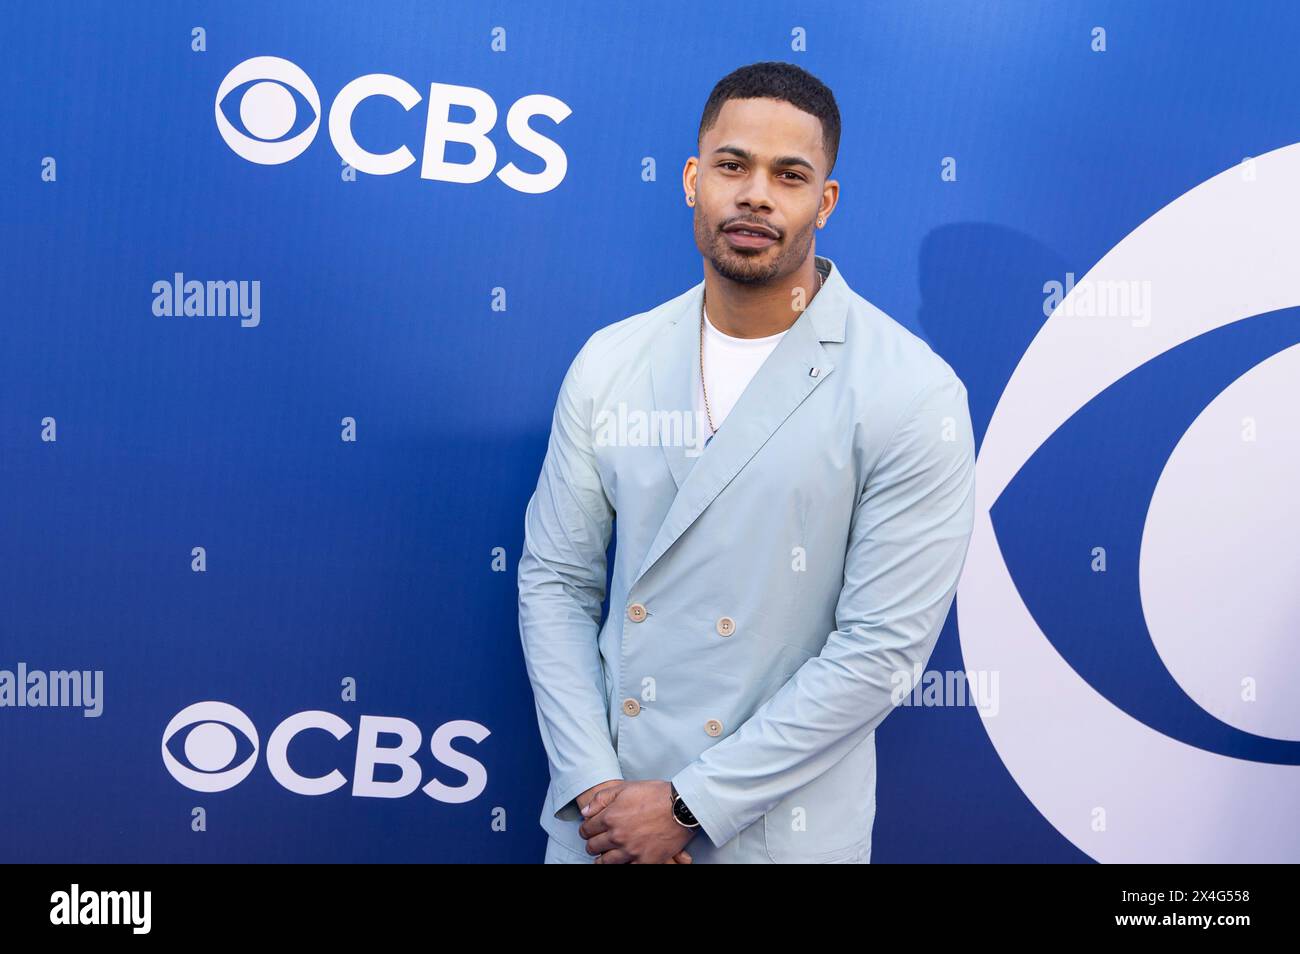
907	545
561	587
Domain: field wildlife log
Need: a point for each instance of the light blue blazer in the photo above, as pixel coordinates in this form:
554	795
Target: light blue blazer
772	598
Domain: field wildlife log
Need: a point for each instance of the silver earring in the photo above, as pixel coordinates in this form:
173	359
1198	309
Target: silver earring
821	222
690	200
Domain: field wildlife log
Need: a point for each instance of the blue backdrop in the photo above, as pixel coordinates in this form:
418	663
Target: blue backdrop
318	506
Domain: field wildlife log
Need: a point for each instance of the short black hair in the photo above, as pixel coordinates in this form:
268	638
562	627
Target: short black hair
784	81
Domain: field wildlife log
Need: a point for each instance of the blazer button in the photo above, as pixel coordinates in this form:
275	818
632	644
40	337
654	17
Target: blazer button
631	706
713	727
636	612
726	626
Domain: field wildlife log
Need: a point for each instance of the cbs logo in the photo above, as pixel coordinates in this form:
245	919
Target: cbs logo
211	746
1146	709
269	111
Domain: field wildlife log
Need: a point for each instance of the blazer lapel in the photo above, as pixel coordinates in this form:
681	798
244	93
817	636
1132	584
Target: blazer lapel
796	366
674	376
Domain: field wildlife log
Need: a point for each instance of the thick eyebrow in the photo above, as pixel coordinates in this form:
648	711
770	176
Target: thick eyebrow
778	161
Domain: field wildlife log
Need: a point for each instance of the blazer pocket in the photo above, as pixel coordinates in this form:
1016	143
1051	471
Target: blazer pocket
830	818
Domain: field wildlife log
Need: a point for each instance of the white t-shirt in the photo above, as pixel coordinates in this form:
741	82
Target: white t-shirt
729	364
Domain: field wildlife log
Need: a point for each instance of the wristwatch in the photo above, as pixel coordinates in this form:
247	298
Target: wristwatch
680	812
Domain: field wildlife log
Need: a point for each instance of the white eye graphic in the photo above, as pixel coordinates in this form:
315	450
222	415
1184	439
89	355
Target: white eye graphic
210	746
267	110
1117	788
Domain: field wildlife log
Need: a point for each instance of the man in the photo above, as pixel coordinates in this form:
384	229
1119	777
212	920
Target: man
782	570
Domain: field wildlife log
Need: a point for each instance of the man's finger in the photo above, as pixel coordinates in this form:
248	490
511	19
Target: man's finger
599	843
594	823
599	801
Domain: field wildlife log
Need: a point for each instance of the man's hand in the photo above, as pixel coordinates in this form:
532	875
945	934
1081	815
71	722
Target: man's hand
632	823
584	799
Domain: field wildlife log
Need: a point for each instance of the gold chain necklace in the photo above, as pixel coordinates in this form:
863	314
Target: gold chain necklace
707	410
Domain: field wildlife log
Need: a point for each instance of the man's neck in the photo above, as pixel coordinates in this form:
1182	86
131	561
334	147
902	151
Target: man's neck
756	311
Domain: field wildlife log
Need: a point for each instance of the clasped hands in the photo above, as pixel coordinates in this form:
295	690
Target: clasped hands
632	823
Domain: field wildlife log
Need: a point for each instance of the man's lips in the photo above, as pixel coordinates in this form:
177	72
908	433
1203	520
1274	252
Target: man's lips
749	236
744	226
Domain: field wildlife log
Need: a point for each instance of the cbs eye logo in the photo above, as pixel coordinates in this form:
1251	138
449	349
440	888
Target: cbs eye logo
208	735
268	110
268	95
1146	641
210	746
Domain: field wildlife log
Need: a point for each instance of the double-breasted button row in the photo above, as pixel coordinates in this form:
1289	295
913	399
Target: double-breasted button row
632	707
725	625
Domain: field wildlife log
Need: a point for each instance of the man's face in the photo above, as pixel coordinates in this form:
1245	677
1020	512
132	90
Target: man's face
750	172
